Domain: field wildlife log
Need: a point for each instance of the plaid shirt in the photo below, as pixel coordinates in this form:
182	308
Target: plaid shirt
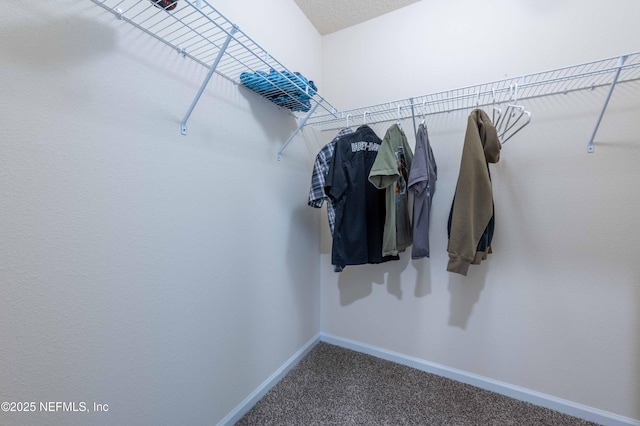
320	169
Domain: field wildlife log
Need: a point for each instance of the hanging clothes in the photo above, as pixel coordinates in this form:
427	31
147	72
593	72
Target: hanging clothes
422	182
359	206
390	172
471	220
320	168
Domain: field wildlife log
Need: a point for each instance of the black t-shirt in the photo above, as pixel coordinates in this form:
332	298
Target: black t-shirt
359	206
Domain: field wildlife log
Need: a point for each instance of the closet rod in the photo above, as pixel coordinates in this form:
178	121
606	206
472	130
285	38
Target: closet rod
589	75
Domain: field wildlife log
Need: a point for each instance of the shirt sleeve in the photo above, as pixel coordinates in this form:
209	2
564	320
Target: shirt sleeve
316	193
384	171
335	184
419	176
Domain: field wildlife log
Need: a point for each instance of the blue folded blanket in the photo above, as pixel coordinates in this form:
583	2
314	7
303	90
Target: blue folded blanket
289	90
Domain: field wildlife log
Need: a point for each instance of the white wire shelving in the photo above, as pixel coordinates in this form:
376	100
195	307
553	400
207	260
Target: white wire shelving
586	76
195	29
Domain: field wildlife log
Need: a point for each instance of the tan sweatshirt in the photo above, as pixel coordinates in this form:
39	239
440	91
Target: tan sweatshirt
473	206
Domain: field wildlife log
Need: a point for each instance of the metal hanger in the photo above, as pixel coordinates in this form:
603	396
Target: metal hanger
515	117
495	111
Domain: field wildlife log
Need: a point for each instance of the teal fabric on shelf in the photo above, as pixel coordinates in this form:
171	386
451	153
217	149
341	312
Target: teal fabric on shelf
286	89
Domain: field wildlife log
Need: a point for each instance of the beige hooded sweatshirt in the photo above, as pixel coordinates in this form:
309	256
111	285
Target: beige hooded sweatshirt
473	206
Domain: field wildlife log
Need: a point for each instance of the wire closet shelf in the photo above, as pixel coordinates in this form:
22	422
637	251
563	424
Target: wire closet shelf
195	29
588	75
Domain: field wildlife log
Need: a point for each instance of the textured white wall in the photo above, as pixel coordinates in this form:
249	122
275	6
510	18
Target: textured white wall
169	276
430	46
555	308
166	276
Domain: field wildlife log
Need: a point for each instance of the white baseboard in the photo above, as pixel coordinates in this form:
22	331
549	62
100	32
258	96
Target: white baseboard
516	392
255	396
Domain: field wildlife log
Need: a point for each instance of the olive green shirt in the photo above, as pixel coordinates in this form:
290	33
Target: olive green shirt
390	171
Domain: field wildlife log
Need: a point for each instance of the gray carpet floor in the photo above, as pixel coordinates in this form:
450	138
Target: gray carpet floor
336	386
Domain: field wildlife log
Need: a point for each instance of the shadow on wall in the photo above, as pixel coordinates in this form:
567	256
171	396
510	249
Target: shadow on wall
465	293
59	43
394	278
423	277
356	282
258	104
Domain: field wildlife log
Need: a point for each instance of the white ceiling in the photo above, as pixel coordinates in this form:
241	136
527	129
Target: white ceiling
332	15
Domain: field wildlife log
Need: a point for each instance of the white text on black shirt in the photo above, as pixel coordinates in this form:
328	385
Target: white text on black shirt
364	146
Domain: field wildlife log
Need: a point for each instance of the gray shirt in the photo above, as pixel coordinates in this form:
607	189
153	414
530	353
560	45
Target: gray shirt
422	181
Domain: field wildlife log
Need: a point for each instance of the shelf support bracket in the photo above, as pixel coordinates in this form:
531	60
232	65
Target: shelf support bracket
302	122
183	124
621	59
